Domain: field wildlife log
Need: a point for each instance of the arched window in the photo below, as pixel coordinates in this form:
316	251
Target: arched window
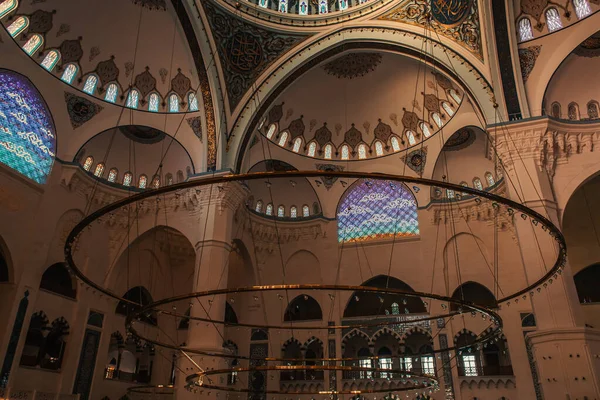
153	102
553	19
450	193
586	283
303	7
437	119
395	309
283	6
7	6
323	7
343	4
556	110
111	93
469	362
263	3
328	151
455	96
33	44
362	152
143	181
489	178
525	30
69	73
180	177
395	143
297	145
45	343
269	210
385	361
99	170
192	102
592	110
281	211
303	308
87	165
376	209
411	138
573	111
50	60
141	297
271	131
18	26
173	103
156	182
345	152
293	212
56	279
477	184
449	111
425	129
582	8
127	178
34	340
169	178
259	205
283	138
474	292
112	175
312	149
305	211
90	84
133	99
378	149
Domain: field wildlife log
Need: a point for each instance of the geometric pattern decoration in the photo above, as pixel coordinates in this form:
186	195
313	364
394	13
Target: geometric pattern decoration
80	110
527	58
245	50
27	135
87	363
328	181
416	160
377	209
196	124
353	65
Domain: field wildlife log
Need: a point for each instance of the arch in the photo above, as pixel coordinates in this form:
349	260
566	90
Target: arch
156	182
305	211
271	130
7	6
303	308
56	279
555	109
111	93
230	314
281	211
259	334
489	178
345	152
375	210
141	297
293	212
395	143
91	82
477	183
474	292
586	284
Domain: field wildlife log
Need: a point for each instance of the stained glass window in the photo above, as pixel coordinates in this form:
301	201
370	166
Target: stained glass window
143	182
489	179
269	210
259	205
173	103
573	111
437	119
99	170
111	93
556	110
582	8
395	309
87	165
305	211
376	209
7	6
395	143
293	212
303	7
328	151
385	363
50	60
127	178
90	84
283	138
69	73
362	152
133	99
525	30
378	148
425	129
153	103
169	179
427	365
283	6
450	193
343	4
592	110
345	152
271	131
553	19
27	136
297	145
469	365
312	149
112	175
455	96
281	211
33	44
192	102
477	184
323	7
448	109
156	182
263	3
411	138
18	26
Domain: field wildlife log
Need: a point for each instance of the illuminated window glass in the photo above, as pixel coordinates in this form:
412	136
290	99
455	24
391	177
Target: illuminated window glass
343	4
437	119
27	135
312	149
18	26
192	102
7	6
173	103
143	182
133	99
553	19
362	152
283	138
50	60
112	175
365	363
153	102
489	178
99	170
156	182
477	184
411	138
573	111
395	143
305	211
281	211
582	8
87	165
525	30
592	110
385	363
111	93
90	84
455	96
69	73
425	129
269	210
345	152
297	145
127	178
271	131
263	3
323	7
283	6
293	212
328	151
259	205
449	111
406	363
33	44
427	365
469	365
395	309
376	209
378	149
303	7
450	193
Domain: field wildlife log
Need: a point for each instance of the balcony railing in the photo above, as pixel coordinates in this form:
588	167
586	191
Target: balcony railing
309	375
488	370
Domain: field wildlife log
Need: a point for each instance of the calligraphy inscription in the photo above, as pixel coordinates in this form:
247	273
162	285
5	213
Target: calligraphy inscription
450	12
245	52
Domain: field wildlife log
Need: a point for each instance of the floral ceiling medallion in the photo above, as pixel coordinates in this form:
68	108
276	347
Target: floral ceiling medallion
353	65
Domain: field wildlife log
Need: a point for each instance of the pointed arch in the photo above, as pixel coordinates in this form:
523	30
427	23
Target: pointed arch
473	292
303	308
133	99
56	279
138	297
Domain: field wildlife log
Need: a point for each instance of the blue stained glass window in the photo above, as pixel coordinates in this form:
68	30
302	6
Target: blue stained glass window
323	7
7	6
154	103
90	84
33	44
283	6
173	103
69	74
303	7
18	26
376	209
133	99
193	102
50	60
111	93
27	135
